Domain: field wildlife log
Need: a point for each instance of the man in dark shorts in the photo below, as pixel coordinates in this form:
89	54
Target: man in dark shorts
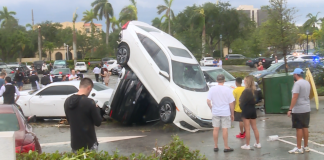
300	110
19	77
237	92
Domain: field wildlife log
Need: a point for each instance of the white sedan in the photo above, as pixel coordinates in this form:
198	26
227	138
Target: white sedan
207	61
48	102
112	64
81	66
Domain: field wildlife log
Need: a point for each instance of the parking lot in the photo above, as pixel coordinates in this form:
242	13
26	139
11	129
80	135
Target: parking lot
136	138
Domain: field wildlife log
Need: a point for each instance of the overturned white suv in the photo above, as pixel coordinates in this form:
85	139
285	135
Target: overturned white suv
162	80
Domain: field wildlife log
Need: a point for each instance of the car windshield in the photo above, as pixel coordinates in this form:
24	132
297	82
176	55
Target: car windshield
111	62
189	76
180	52
214	73
63	70
80	64
8	122
99	87
59	63
274	66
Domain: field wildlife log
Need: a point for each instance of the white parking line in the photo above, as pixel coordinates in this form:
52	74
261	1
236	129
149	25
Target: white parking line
313	150
100	140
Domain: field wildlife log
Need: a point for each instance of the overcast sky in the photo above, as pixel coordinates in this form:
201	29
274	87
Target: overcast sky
62	10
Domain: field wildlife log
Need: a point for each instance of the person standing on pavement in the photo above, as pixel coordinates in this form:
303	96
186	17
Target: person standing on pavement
96	71
2	77
237	92
221	101
83	114
220	63
45	80
50	67
215	63
19	77
8	92
73	76
34	80
249	115
106	76
260	67
44	68
300	110
4	71
102	71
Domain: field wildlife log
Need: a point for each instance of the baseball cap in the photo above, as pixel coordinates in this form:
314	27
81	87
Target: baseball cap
220	77
298	71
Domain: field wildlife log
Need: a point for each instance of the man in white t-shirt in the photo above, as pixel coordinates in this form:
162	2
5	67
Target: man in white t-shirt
221	101
220	63
73	76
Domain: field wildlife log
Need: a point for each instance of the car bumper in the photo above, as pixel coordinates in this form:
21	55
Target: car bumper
187	123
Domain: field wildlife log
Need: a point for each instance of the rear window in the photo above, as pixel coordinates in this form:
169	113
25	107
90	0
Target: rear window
59	63
180	52
111	62
80	64
308	57
209	58
99	87
148	29
9	122
64	71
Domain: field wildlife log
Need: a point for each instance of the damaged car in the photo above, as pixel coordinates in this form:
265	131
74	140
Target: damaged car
161	80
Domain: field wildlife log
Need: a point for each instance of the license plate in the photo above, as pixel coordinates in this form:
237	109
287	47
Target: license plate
59	76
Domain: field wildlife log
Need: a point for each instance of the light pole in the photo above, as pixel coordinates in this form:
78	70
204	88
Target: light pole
67	50
221	49
307	32
39	43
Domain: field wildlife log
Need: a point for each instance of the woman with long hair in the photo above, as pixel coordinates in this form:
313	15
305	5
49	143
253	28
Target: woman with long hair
247	104
106	76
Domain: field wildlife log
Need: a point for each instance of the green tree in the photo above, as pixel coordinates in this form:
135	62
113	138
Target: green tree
200	15
6	16
75	17
168	12
49	47
115	24
128	13
311	21
89	16
157	22
103	8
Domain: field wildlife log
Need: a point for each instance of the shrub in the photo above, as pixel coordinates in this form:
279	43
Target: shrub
175	150
239	74
234	62
320	91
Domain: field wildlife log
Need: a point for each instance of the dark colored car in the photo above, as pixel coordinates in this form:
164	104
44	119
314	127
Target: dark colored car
60	64
131	102
26	72
116	70
266	62
58	73
38	66
11	119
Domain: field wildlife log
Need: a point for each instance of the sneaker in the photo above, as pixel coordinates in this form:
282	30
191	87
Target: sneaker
257	145
240	135
306	149
246	147
296	150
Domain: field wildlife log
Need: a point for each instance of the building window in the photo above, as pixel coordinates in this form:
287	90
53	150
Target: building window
87	30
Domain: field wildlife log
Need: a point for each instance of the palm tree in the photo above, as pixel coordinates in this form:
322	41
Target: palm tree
75	16
200	15
311	21
89	16
6	16
49	46
157	22
114	23
168	11
105	9
128	13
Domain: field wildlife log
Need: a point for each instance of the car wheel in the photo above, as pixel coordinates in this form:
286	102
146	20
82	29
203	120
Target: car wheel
123	54
167	111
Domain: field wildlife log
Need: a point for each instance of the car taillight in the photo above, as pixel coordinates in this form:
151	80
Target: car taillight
226	59
60	72
68	75
263	60
25	148
249	61
125	25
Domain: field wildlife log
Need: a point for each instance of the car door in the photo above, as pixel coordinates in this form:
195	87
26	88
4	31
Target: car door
50	101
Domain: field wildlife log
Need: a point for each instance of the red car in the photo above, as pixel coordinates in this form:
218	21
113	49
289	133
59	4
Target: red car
11	119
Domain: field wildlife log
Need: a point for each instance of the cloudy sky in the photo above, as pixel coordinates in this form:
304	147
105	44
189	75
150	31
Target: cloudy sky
62	10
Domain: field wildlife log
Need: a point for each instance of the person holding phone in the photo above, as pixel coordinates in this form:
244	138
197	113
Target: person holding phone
73	76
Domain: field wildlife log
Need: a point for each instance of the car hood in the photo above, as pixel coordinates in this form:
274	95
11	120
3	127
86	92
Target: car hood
260	73
195	102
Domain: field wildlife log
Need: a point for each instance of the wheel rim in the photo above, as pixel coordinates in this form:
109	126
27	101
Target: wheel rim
165	112
122	55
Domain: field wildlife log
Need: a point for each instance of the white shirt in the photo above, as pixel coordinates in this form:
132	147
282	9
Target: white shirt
221	97
51	78
220	63
44	67
3	89
96	70
73	77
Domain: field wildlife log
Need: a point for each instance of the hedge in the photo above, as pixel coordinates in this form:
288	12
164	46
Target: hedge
175	150
234	61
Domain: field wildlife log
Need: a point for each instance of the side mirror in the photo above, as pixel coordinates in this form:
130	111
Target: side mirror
31	119
165	75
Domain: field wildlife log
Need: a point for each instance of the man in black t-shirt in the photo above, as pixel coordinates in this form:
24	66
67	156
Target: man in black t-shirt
19	77
82	112
46	79
34	80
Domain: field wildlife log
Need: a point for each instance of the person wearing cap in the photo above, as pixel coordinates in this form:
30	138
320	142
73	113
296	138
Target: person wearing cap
34	79
19	77
8	92
300	110
221	102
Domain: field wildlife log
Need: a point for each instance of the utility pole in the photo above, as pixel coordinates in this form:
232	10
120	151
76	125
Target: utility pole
32	19
39	43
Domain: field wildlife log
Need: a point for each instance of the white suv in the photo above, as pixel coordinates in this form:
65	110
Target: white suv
161	80
207	61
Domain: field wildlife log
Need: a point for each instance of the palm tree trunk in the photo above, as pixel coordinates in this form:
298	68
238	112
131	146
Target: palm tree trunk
107	29
169	24
20	56
203	39
92	37
74	45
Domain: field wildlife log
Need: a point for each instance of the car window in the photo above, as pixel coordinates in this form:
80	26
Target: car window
209	59
180	52
58	90
99	87
148	29
235	57
63	71
111	62
214	73
80	64
8	122
59	63
155	52
308	57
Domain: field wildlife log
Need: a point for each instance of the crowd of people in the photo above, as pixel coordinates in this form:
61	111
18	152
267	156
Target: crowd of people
102	73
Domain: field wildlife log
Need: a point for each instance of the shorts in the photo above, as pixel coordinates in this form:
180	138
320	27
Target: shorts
221	121
300	120
20	84
238	116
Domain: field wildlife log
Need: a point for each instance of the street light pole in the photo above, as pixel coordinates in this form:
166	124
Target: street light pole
307	32
221	48
67	52
39	43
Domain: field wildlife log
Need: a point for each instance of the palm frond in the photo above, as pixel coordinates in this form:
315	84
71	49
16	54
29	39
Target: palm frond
133	2
166	2
161	8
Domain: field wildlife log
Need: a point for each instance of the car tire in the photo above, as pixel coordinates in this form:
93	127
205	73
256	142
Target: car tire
122	54
167	111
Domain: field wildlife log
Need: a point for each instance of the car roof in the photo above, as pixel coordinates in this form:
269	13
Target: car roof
210	68
6	108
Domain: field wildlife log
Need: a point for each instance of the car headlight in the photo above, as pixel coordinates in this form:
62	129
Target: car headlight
257	75
189	113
